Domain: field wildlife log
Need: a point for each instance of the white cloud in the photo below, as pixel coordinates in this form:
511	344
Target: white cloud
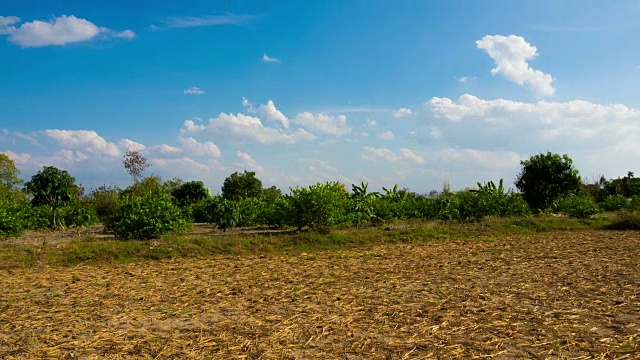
326	124
270	112
86	140
248	106
402	112
126	34
130	145
244	127
61	30
537	126
6	22
246	162
185	164
165	149
19	159
404	155
268	59
195	21
205	149
370	123
387	135
194	90
464	158
510	55
463	79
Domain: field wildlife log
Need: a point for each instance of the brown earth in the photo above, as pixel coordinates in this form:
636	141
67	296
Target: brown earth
541	296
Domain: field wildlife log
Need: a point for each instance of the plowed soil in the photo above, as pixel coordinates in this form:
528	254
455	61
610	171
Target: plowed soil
554	295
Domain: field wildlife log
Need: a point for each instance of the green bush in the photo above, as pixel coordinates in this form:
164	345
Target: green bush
614	203
224	213
12	218
318	206
278	213
577	206
78	216
38	217
146	217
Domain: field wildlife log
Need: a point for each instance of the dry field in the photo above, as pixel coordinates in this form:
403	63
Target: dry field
553	295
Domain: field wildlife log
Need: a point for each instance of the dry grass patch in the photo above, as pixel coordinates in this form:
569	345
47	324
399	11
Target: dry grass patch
545	295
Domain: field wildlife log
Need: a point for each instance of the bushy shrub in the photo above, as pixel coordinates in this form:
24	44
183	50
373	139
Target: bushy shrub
514	205
277	213
577	206
12	217
146	217
615	202
318	206
251	212
78	216
38	217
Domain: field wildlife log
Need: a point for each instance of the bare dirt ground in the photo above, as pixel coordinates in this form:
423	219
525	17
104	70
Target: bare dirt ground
544	296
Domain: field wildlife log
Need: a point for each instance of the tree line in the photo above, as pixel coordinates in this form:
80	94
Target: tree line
150	207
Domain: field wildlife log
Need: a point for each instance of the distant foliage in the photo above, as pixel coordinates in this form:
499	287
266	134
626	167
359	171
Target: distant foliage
189	193
615	203
150	185
577	206
238	186
104	201
146	217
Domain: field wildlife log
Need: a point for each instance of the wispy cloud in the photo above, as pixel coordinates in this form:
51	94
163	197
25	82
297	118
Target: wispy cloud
463	79
211	20
194	90
269	59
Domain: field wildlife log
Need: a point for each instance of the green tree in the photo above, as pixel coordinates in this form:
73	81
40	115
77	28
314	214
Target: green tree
52	187
241	186
189	193
9	178
546	178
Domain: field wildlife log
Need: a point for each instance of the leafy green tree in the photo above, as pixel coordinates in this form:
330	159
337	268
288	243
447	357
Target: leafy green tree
9	178
189	193
52	187
241	186
546	178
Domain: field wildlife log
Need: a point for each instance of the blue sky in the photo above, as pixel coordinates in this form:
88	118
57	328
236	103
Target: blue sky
418	93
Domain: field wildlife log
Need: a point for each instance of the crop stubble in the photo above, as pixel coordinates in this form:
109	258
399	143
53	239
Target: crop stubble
548	295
